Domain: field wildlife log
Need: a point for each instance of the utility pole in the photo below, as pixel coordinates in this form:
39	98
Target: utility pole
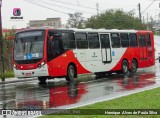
147	22
97	7
139	9
1	45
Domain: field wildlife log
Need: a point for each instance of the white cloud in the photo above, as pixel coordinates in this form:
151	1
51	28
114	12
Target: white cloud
33	12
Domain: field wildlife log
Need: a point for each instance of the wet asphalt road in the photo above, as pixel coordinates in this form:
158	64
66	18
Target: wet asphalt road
59	94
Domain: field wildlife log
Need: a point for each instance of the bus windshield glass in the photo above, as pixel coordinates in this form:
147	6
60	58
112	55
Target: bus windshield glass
29	45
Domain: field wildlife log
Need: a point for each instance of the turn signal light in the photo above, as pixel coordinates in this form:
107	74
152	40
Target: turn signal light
41	64
15	66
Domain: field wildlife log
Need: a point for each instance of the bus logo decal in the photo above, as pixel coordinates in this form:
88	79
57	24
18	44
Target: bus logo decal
113	53
94	55
29	56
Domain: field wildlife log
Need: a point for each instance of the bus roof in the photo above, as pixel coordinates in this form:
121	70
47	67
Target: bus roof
102	30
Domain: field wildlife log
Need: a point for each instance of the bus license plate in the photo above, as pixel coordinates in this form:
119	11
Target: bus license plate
28	74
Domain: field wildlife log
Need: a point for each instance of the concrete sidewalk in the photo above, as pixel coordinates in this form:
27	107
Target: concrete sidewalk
13	80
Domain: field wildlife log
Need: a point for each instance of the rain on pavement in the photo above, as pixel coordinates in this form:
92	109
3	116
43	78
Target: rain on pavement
32	95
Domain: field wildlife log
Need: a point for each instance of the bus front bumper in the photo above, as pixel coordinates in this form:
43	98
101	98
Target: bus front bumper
38	72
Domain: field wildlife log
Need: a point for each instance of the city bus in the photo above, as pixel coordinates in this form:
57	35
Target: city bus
48	53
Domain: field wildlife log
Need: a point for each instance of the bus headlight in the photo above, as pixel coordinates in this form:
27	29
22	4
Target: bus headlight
41	64
15	66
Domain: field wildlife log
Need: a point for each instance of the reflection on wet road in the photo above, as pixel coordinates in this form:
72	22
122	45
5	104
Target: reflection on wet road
34	96
31	95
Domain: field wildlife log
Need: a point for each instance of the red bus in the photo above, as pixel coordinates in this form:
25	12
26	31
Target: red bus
48	53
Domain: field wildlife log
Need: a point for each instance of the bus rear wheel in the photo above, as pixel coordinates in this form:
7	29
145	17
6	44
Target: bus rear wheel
42	79
125	67
70	73
134	66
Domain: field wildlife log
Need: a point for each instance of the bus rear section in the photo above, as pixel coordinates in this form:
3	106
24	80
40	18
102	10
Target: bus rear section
146	49
139	51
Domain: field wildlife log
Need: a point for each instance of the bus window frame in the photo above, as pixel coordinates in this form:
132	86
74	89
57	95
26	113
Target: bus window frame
70	40
92	40
150	44
142	44
119	46
128	41
81	40
137	44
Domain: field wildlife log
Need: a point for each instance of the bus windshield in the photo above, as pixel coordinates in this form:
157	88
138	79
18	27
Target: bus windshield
29	45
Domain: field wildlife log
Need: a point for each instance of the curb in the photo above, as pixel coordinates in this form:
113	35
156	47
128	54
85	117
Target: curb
18	80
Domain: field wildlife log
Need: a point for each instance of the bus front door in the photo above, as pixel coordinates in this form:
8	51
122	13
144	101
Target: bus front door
105	48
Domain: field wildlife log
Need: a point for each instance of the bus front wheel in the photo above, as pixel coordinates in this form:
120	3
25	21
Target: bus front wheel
125	67
42	79
70	73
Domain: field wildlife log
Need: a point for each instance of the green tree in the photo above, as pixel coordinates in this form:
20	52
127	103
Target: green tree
75	20
115	19
7	51
150	25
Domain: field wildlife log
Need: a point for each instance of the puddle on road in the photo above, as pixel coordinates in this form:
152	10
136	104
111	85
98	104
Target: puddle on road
33	96
30	95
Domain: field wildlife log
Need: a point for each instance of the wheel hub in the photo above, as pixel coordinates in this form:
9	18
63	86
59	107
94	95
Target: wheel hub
71	72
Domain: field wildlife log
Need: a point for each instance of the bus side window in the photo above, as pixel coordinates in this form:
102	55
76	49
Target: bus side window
124	39
68	40
93	40
142	42
148	40
115	40
133	40
50	53
81	40
57	44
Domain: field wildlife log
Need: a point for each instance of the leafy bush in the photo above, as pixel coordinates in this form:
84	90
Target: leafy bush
8	74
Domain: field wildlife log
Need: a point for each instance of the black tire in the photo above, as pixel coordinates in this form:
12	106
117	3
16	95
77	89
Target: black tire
109	73
134	66
100	75
125	67
71	72
42	79
103	74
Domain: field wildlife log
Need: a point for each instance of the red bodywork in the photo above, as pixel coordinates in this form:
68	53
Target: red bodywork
58	66
136	53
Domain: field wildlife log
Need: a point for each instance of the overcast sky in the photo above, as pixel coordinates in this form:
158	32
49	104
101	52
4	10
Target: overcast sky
60	8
